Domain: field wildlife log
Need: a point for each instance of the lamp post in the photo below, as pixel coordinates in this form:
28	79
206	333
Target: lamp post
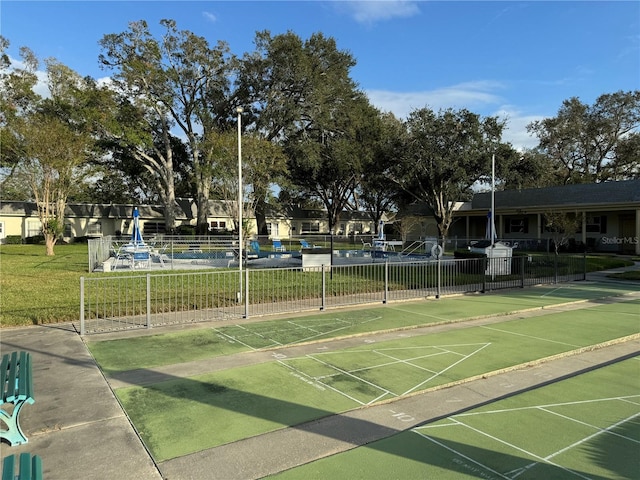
239	111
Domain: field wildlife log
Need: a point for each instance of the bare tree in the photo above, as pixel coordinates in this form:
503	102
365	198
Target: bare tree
562	226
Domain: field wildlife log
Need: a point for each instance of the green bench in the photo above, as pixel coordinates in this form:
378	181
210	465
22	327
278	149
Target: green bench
16	383
30	467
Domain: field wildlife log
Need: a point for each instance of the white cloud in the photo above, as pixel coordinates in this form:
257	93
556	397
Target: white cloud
210	16
371	11
464	95
516	129
479	97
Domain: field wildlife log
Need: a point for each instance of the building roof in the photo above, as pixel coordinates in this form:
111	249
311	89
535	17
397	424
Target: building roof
605	193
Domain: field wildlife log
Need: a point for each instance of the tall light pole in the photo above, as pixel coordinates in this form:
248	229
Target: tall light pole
239	111
493	200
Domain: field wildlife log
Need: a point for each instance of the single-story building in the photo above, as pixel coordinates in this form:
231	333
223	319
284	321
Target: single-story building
608	213
20	219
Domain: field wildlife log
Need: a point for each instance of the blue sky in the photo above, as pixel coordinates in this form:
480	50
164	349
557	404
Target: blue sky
518	60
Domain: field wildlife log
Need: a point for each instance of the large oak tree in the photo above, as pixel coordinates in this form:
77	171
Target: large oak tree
593	143
446	153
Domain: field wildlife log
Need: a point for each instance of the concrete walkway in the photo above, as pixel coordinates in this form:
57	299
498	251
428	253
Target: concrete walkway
79	429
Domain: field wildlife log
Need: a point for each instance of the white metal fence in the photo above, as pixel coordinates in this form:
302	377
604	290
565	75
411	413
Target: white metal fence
110	303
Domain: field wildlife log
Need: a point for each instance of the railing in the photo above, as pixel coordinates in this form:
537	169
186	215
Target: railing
110	303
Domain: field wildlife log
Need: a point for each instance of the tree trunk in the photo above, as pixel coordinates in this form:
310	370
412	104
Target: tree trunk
49	241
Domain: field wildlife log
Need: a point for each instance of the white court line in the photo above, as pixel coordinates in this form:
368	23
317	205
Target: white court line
545	459
419	313
382	389
548	405
599	432
629	401
554	291
408	361
330	331
469	459
580	422
397	361
302	374
580	442
303	327
251	333
235	339
484	344
530	336
442	371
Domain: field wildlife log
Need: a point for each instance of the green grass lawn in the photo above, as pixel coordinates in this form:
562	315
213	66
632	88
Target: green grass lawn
222	407
583	427
37	289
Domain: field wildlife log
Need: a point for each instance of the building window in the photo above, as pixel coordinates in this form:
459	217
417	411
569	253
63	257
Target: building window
154	227
34	228
273	230
94	228
596	224
310	227
517	225
356	228
218	225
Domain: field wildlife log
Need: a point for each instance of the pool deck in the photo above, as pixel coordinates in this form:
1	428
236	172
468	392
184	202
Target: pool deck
286	259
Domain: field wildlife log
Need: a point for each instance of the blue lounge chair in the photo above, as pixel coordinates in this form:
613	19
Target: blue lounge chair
306	244
254	246
277	245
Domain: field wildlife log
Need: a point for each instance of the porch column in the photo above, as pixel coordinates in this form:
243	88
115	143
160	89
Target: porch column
637	239
466	219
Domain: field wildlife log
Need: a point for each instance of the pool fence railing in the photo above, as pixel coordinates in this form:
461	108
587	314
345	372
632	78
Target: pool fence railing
151	299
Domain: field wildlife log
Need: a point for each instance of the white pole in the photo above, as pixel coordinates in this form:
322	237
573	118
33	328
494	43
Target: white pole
493	200
239	112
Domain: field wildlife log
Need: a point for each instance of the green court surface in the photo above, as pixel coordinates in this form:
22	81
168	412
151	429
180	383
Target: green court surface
584	427
184	415
150	351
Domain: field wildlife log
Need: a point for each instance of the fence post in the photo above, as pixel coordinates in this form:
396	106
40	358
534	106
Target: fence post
555	268
148	325
324	286
246	293
522	265
438	275
386	281
584	265
82	331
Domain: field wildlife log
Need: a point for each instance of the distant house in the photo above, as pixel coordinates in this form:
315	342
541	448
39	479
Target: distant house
608	213
20	220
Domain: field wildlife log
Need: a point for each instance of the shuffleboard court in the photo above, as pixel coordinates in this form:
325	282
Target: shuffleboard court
239	403
585	427
209	342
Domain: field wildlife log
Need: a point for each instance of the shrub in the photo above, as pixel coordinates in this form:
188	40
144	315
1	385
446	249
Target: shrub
13	240
35	240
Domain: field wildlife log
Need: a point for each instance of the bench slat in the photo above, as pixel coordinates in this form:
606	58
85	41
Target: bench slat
3	375
9	467
25	466
30	467
36	468
11	379
24	372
